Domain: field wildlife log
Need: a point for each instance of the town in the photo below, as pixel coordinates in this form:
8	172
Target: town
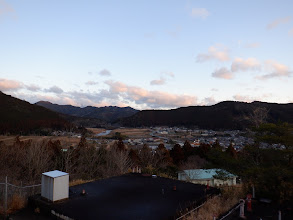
153	136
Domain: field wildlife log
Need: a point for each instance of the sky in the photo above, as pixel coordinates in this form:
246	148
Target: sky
146	54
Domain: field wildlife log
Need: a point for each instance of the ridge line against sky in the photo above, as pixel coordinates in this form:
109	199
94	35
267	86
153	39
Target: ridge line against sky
146	54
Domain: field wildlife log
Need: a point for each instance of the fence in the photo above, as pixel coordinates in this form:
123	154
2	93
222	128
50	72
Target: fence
8	190
188	213
231	211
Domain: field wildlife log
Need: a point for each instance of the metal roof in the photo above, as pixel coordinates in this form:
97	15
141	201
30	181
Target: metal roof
205	173
55	173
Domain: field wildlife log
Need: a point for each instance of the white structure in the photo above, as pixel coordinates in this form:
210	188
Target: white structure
211	177
55	185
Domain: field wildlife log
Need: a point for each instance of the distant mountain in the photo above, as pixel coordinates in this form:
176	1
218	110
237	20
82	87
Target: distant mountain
20	117
224	115
85	122
108	114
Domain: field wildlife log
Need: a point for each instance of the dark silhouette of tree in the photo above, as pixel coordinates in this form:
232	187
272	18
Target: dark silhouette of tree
177	154
204	150
82	143
280	133
231	151
216	145
146	156
162	157
193	162
120	145
133	155
187	150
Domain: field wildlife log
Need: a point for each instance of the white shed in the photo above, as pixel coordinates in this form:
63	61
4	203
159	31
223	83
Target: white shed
55	185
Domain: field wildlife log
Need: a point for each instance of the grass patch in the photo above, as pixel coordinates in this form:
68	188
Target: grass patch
14	204
218	205
79	181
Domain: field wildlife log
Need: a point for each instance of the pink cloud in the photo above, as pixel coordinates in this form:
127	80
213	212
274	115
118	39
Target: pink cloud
253	45
165	76
55	89
160	81
153	99
91	83
209	101
290	32
219	53
275	70
200	13
223	73
243	98
240	64
33	88
105	72
248	98
6	9
9	85
279	21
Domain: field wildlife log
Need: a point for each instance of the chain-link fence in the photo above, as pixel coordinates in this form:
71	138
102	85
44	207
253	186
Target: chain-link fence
11	194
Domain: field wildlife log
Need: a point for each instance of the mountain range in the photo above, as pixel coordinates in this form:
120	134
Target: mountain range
20	117
108	114
224	115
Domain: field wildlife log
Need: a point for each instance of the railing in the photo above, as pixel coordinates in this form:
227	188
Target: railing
9	190
231	211
193	210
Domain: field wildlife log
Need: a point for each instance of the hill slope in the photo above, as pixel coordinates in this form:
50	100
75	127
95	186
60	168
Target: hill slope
18	116
108	114
224	115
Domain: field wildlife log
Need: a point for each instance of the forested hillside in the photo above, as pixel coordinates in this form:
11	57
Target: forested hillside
20	117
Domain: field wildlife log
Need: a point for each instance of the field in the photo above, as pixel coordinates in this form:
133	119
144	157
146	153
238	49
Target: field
96	130
65	141
133	132
129	132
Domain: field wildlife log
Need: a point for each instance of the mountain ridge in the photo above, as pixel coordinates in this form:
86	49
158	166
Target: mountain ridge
19	116
223	115
107	113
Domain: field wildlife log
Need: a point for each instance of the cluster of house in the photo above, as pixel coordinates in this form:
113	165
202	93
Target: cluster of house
171	135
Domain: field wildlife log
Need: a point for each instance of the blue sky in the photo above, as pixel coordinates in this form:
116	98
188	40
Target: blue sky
147	54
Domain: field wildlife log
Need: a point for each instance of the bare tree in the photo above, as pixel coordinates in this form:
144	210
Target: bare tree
68	161
146	156
89	162
120	160
36	160
258	116
161	158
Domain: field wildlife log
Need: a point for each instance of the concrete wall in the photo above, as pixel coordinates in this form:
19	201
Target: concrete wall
61	188
204	182
47	187
182	176
216	182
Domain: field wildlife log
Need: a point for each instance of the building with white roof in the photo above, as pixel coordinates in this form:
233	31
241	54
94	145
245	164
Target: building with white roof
211	177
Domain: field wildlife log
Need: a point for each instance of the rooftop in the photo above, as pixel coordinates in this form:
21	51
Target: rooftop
55	173
206	173
131	196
